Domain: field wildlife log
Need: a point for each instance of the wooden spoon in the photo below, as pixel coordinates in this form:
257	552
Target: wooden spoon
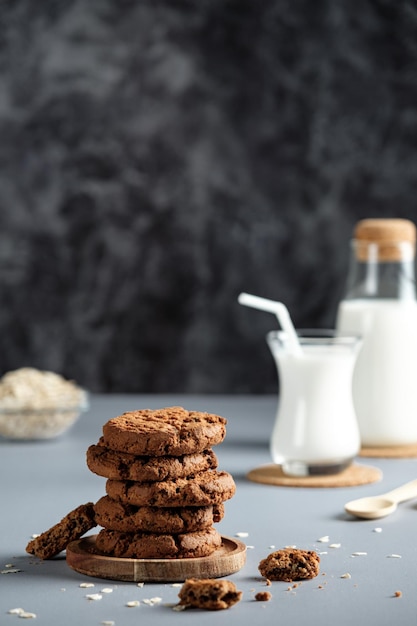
374	507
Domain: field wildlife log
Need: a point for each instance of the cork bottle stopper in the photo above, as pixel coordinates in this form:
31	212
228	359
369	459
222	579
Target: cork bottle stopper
392	239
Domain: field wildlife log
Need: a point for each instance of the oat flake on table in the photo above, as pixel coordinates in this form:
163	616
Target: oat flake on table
22	613
94	596
152	601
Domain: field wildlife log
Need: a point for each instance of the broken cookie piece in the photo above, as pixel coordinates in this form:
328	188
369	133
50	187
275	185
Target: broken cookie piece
73	526
290	564
209	594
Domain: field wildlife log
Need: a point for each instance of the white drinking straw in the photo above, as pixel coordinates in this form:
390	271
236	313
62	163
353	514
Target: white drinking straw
281	312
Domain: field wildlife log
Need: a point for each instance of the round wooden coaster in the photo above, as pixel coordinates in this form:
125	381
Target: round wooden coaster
83	557
390	452
350	477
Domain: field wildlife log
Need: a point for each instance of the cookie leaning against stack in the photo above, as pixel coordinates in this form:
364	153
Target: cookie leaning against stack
164	491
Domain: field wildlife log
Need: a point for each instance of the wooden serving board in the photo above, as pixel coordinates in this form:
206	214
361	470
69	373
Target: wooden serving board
83	557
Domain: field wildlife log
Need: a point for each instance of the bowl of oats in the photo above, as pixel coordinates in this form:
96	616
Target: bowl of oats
37	404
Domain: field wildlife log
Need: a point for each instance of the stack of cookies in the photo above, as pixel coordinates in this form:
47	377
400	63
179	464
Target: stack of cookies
164	491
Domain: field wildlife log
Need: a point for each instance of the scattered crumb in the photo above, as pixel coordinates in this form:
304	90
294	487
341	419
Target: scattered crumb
320	587
140	585
268	582
398	594
86	585
263	596
335	545
94	596
242	534
394	556
22	613
176	585
271	547
324	539
107	590
152	601
291	547
179	607
250	547
359	553
107	623
132	603
377	530
10	570
347	575
27	615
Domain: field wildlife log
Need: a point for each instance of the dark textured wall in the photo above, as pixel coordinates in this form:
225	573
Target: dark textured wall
157	158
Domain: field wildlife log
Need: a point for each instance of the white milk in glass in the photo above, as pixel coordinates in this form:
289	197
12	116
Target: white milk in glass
315	431
385	375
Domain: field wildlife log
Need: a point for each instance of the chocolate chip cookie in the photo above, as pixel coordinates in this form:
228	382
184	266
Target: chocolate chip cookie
203	489
172	431
124	466
115	515
158	546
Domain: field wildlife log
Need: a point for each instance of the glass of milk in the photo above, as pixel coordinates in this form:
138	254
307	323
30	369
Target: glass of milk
316	430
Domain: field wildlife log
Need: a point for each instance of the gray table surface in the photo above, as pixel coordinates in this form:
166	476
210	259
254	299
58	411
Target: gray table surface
42	481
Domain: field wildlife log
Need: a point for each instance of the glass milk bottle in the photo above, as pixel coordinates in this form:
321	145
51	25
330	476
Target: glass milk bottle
316	430
380	305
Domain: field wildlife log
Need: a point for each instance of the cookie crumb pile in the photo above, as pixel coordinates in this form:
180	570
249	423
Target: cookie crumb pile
163	489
